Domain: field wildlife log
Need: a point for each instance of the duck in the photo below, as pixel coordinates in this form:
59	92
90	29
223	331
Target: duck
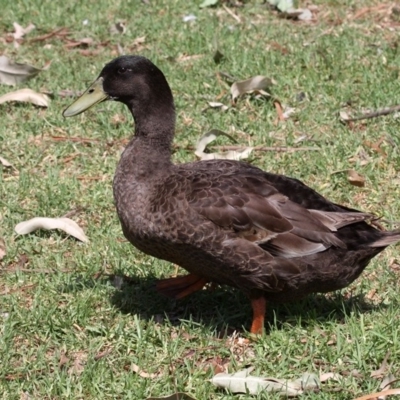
225	222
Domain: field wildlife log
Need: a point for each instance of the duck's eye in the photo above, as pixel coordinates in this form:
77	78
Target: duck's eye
122	70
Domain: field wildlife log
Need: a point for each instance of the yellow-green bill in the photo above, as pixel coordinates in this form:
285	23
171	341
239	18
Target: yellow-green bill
93	95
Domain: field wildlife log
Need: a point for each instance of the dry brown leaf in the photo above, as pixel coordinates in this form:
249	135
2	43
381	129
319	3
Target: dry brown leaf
24	396
374	396
63	360
3	251
78	366
355	178
383	369
257	83
85	42
12	73
143	374
26	96
65	224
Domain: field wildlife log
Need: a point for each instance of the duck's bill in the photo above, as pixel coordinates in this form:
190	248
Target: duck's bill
93	95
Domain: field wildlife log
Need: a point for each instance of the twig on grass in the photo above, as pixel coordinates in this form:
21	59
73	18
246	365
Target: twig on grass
374	114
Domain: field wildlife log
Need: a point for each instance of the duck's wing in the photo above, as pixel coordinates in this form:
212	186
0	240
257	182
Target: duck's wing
253	209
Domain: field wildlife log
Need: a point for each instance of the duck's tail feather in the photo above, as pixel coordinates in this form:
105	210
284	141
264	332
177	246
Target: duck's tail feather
387	239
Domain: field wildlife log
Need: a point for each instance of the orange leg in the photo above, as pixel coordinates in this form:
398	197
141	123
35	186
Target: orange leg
259	306
181	286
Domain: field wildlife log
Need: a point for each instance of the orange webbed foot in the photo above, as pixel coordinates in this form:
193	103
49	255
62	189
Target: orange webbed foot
180	286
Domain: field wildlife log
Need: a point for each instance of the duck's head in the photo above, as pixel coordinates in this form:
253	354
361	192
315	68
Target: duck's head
132	80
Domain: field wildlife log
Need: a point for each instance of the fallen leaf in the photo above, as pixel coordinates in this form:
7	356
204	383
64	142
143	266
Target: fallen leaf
26	96
216	104
175	396
85	42
383	369
65	224
209	137
12	73
118	28
355	178
243	382
374	396
25	396
344	116
80	358
386	384
208	3
143	374
63	360
4	162
189	18
257	83
3	251
281	5
329	375
301	14
20	32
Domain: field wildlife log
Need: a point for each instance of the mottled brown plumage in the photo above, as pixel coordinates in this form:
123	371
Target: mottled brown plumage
224	221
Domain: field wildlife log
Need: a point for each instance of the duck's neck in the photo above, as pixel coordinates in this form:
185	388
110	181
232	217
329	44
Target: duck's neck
149	151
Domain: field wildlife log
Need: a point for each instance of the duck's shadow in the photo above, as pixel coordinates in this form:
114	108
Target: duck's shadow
226	309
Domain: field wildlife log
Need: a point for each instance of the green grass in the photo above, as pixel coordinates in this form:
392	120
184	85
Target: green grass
58	317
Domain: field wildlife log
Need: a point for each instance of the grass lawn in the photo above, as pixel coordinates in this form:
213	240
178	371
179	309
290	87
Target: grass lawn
83	321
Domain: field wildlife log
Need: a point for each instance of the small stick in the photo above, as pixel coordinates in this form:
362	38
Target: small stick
374	114
61	31
232	14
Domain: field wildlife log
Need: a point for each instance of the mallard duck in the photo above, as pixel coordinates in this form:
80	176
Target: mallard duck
225	222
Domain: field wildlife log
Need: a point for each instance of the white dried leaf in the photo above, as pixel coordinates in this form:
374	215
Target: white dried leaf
288	111
305	14
229	155
344	116
20	31
243	382
12	73
65	224
189	18
216	104
329	375
209	137
5	163
256	83
301	14
26	96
